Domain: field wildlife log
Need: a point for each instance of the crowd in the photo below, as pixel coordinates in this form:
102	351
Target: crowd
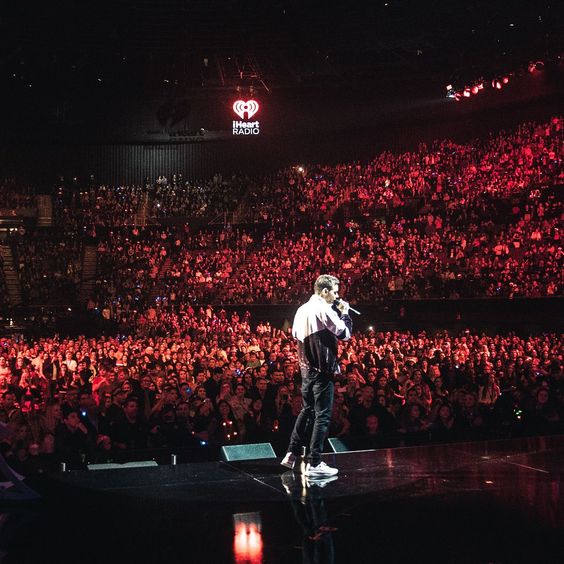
446	221
128	268
83	210
48	265
497	253
475	220
178	197
460	221
513	251
92	209
15	197
212	379
500	250
443	175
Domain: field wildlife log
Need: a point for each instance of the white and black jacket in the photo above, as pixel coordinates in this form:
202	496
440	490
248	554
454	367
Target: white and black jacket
317	326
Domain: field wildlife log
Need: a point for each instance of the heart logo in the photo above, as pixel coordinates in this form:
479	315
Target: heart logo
240	107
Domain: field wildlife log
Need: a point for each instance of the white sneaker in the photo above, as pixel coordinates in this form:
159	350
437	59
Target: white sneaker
320	481
289	461
321	470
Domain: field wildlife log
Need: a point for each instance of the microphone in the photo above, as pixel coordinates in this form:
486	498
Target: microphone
338	301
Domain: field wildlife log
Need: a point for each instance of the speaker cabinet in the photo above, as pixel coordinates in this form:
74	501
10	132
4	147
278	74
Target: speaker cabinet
256	451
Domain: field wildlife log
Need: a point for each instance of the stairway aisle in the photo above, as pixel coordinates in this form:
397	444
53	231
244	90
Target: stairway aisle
13	285
89	270
44	211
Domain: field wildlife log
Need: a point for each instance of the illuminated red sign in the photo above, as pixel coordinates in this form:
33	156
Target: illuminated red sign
246	109
250	107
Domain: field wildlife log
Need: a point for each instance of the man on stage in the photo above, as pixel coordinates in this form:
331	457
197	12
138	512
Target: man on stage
317	326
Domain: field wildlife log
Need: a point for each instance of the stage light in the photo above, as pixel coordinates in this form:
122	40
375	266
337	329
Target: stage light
466	93
505	79
496	83
536	66
475	89
247	542
450	93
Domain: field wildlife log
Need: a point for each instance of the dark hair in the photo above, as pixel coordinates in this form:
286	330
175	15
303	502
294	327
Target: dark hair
68	409
325	281
447	405
181	403
168	408
222	402
131	399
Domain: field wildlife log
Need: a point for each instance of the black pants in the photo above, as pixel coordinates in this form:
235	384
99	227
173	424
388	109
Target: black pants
315	416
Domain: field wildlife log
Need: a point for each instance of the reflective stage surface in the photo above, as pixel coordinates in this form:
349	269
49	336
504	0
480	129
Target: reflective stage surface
498	501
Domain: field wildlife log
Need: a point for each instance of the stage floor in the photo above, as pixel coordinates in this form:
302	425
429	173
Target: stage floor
494	501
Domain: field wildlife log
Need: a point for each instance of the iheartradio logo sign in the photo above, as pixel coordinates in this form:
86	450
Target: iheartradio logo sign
251	107
246	109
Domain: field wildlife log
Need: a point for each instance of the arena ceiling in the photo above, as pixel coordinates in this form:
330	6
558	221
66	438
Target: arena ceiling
150	70
269	44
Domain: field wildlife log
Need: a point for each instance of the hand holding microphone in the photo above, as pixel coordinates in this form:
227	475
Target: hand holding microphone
344	307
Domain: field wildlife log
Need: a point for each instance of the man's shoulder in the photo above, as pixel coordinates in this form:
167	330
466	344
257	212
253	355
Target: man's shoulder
304	307
315	304
302	311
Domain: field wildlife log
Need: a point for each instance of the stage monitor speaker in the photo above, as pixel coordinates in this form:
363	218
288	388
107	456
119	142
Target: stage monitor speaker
337	445
114	466
256	451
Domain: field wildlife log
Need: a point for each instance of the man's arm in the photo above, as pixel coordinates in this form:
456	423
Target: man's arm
340	326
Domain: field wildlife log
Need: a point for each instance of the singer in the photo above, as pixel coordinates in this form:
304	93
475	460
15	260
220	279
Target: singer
318	324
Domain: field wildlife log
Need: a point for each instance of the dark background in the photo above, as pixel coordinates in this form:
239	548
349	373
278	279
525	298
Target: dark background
120	89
